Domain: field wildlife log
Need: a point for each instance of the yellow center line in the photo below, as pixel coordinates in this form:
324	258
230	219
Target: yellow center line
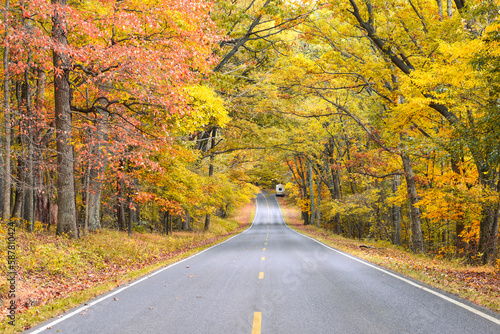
257	322
261	275
263	258
263	249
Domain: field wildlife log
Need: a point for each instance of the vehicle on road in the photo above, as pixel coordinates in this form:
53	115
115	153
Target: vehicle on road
280	190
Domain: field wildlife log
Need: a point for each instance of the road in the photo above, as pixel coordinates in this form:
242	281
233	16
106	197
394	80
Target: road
271	279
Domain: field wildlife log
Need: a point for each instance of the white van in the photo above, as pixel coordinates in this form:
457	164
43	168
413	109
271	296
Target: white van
280	190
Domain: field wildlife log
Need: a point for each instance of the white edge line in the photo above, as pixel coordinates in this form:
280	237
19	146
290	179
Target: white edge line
145	277
440	295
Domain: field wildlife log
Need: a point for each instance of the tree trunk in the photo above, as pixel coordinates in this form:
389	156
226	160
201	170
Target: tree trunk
42	212
318	203
310	180
6	106
186	221
170	224
130	222
120	200
18	204
17	210
459	223
440	9
396	212
2	182
336	196
488	237
166	218
210	172
416	224
132	213
96	171
302	181
66	214
29	212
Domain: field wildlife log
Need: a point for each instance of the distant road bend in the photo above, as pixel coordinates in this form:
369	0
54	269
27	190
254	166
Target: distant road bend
273	280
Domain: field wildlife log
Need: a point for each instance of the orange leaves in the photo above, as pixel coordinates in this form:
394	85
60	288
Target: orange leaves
165	204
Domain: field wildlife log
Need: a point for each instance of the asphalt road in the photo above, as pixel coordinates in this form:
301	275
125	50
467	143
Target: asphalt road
271	279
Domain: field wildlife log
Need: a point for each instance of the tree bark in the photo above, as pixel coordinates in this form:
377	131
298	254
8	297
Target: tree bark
42	206
186	221
449	8
488	234
311	193
318	203
132	208
210	172
120	200
130	219
166	217
17	210
301	179
396	212
66	214
28	135
440	9
416	224
170	224
6	106
96	170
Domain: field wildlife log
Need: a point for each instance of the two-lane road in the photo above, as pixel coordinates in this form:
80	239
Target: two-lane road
271	279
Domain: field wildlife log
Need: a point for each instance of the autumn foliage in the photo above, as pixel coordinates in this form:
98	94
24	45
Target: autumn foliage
395	106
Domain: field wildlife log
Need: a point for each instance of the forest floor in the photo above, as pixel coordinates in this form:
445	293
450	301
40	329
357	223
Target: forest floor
478	284
55	274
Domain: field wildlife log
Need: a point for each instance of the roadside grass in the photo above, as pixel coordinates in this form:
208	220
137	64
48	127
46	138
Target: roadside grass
55	274
478	284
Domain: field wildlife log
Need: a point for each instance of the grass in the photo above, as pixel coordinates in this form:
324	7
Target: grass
55	274
478	284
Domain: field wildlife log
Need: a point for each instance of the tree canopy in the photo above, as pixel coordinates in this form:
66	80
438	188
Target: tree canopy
380	116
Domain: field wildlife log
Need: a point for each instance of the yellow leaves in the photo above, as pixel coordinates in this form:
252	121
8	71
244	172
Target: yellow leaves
293	68
493	28
455	198
356	206
399	197
206	108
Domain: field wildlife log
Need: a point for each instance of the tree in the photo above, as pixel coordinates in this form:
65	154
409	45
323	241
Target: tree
66	215
6	106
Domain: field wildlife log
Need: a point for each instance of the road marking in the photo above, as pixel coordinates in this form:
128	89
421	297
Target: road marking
263	249
257	322
265	243
261	275
436	293
263	258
